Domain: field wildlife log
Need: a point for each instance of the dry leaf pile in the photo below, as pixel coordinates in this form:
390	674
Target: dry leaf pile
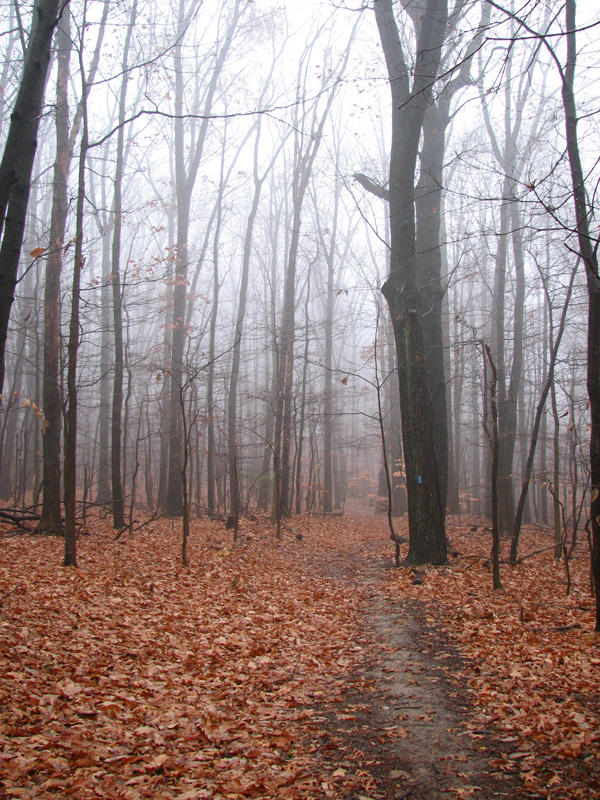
531	657
131	677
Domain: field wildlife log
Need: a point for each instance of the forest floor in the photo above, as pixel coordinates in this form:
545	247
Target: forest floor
303	668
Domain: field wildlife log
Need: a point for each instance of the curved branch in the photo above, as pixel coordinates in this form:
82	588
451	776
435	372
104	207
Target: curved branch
371	186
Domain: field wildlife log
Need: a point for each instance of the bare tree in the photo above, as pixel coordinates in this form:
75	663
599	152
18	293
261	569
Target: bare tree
308	132
19	153
587	245
187	163
410	101
508	147
232	426
539	413
117	289
66	136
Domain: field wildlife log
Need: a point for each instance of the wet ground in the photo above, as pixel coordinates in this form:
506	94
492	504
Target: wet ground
406	718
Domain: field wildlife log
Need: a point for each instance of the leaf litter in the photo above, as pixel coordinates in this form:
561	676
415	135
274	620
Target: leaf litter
132	677
530	656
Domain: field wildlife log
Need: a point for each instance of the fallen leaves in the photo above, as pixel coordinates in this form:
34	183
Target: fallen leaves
132	677
529	654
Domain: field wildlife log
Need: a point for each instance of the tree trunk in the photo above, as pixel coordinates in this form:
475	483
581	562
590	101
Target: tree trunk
283	416
70	460
232	428
537	421
118	509
494	450
300	442
50	518
543	492
211	481
11	416
589	256
18	157
103	489
425	486
428	206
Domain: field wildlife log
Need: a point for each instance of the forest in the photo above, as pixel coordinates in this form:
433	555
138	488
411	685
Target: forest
299	399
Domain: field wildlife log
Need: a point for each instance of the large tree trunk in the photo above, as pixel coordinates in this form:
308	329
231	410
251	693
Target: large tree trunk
19	153
590	259
425	486
428	205
51	519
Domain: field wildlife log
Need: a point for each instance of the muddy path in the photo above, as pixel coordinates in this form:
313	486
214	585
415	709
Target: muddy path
406	718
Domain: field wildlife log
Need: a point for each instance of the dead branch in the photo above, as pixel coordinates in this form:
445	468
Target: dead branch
19	517
371	186
123	529
139	527
8	594
535	553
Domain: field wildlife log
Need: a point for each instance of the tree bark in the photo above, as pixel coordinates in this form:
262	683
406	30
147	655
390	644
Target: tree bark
495	452
425	486
589	254
51	517
70	456
103	490
19	154
118	507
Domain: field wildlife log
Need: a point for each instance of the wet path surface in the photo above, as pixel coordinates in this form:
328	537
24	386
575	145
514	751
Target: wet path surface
406	716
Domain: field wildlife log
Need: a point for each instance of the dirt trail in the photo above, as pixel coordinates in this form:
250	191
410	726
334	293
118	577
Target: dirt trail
406	717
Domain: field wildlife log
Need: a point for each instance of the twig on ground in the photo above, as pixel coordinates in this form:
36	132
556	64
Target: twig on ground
8	594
